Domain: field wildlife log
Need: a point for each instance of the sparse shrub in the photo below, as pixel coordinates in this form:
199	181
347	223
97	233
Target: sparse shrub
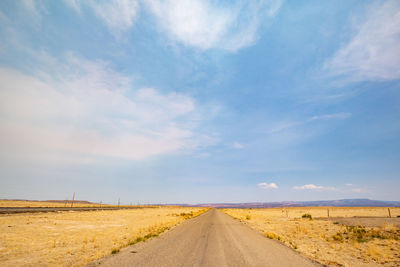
338	237
115	251
248	217
271	235
335	222
358	232
187	215
293	245
149	235
306	216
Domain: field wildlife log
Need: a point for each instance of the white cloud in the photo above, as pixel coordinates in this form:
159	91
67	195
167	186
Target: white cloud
202	24
349	184
205	24
117	15
287	125
237	145
267	185
343	115
85	108
373	54
314	187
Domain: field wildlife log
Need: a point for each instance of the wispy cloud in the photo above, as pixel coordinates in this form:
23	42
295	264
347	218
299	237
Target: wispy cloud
357	190
118	15
195	23
82	107
237	145
75	4
206	24
314	187
287	125
373	53
267	185
349	184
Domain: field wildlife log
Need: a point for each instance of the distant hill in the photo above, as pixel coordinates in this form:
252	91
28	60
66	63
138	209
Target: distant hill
361	202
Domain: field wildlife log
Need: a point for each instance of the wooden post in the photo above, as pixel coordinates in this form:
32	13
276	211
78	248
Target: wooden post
73	198
287	216
328	212
390	215
118	202
100	204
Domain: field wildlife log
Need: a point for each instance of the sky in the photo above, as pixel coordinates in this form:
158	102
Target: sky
199	101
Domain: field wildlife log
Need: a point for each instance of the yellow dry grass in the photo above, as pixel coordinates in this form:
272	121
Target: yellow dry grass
77	238
326	241
27	203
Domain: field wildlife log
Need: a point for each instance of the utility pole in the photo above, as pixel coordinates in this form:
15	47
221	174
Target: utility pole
73	199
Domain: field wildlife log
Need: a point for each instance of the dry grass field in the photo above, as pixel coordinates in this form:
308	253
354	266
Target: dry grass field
343	241
41	204
77	238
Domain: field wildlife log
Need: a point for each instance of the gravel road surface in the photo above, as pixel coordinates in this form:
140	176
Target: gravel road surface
212	239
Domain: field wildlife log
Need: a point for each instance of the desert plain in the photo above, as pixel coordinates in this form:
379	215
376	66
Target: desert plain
350	236
76	238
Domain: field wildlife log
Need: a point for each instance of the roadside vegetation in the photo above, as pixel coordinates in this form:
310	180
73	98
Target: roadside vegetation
334	241
76	238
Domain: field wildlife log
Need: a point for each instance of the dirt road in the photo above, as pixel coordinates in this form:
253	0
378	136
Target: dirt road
212	239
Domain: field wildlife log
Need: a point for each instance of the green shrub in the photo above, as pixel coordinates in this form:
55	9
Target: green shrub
307	216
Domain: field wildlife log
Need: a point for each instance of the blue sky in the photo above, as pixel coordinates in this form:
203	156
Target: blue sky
199	101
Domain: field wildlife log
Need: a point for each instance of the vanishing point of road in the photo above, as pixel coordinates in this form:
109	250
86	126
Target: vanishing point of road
211	239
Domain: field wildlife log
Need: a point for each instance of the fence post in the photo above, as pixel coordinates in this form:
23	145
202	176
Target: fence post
328	212
390	215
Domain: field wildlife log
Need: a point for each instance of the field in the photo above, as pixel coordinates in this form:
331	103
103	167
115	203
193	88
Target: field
341	240
77	238
47	204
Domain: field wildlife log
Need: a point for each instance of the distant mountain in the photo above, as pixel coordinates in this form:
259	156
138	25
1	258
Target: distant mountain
361	202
